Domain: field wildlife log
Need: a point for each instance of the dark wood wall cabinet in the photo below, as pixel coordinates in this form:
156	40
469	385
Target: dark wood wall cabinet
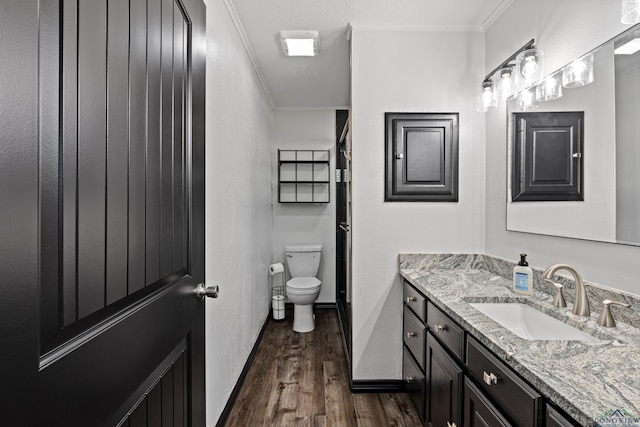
547	161
456	381
421	157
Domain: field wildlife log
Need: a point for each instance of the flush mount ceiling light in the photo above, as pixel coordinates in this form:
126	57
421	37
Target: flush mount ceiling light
630	11
300	43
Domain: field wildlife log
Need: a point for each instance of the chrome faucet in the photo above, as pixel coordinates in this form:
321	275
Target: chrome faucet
581	303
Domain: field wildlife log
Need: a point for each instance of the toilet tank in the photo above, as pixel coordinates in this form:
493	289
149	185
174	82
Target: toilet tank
303	260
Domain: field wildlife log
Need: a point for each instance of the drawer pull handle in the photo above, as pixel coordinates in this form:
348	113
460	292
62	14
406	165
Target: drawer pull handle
439	328
489	378
411	334
408	380
451	424
411	299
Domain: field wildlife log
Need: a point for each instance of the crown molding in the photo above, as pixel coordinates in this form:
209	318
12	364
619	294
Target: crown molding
497	12
409	28
247	47
323	108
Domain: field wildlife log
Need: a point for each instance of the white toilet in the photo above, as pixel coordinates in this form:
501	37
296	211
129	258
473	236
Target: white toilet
303	288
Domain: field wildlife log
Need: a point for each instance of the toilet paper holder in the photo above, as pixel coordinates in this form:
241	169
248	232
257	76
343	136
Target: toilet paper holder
278	293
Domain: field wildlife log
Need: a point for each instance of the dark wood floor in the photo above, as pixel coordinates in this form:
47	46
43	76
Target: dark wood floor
302	380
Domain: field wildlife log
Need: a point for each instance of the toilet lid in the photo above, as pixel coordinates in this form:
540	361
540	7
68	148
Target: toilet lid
303	282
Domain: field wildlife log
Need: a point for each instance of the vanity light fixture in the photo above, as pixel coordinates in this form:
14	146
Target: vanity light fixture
487	99
630	11
579	72
501	82
300	43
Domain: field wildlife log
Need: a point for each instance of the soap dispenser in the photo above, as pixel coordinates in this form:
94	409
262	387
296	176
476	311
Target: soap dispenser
523	277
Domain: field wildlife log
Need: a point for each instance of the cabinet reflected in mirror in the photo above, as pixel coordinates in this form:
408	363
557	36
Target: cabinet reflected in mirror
610	211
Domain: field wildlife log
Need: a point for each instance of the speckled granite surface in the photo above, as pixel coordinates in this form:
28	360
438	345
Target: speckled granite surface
585	379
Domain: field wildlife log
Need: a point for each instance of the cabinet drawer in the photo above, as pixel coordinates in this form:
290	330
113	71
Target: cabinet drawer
556	419
415	301
414	381
414	335
517	399
478	411
445	329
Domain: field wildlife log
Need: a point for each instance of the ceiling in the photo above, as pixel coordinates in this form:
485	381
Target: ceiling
323	81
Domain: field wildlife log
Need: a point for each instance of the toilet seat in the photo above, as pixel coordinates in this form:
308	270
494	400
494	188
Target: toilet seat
303	285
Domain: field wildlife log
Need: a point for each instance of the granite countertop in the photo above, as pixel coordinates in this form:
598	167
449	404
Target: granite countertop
584	378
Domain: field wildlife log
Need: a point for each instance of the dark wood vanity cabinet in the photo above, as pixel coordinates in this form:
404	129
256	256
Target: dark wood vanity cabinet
444	386
456	381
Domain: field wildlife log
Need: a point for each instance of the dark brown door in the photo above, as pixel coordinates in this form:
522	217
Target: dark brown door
102	218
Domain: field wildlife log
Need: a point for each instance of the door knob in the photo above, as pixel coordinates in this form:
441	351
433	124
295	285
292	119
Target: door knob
202	291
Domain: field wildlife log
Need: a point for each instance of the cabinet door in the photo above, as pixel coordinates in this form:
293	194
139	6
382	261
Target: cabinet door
478	411
444	387
421	157
547	157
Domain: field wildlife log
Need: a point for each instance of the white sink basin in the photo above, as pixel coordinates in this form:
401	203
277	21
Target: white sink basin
529	323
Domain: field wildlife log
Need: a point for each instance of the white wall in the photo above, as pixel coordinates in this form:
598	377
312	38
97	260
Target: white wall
565	30
407	71
306	223
239	134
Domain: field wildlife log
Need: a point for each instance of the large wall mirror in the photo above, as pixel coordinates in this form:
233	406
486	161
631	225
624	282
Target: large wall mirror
610	156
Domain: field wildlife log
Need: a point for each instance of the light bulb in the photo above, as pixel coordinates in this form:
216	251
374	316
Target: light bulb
550	88
579	72
529	65
527	99
506	83
630	11
486	96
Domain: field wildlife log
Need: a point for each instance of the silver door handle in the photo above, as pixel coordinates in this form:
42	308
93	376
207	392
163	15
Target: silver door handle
202	291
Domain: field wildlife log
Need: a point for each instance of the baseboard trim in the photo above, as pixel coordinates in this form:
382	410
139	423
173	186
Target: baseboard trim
243	375
377	386
320	305
325	305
